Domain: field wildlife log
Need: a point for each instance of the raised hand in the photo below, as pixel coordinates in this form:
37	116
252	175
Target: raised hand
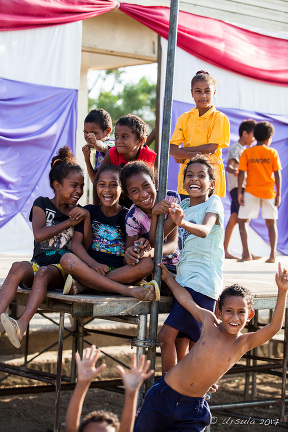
176	214
91	140
86	152
137	375
86	370
281	278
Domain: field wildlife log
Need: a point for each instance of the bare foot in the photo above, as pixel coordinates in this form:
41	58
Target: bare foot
246	258
270	260
143	292
255	257
229	256
76	288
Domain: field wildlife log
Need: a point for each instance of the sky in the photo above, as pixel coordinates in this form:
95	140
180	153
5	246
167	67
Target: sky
132	75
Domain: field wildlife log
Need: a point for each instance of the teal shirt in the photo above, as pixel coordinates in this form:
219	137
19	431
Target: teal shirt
201	260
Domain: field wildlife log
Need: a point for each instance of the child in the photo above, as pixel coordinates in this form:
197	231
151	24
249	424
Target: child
263	166
101	420
246	138
200	268
52	222
130	138
102	266
177	401
138	183
97	129
204	130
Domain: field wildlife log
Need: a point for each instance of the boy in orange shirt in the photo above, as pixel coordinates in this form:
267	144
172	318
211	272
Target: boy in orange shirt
263	166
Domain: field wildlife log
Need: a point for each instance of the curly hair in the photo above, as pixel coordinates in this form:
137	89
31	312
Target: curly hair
100	117
202	160
101	169
100	417
236	290
135	123
62	164
132	168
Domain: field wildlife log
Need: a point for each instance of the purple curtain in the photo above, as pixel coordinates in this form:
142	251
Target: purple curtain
35	121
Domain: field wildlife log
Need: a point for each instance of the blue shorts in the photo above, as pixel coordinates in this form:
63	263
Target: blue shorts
182	320
166	410
234	200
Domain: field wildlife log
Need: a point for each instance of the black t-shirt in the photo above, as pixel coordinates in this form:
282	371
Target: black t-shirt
51	250
109	236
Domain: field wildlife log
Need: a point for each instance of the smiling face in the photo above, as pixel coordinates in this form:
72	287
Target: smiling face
126	142
235	314
197	183
203	93
141	190
108	188
71	188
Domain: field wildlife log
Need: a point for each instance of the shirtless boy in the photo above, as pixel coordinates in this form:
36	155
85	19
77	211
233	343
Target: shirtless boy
177	401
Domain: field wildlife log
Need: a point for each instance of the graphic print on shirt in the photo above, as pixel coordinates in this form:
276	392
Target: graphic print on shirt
108	239
61	240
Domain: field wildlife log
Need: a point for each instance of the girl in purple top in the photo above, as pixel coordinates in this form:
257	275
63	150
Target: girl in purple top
138	183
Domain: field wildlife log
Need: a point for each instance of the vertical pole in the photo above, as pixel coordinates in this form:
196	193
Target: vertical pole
141	335
74	349
59	371
80	337
163	170
255	352
284	369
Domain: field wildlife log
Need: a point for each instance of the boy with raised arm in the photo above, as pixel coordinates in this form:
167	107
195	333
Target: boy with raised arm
102	421
177	401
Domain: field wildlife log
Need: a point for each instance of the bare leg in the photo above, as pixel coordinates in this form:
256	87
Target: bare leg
19	272
228	232
182	348
45	276
273	236
246	256
90	278
132	273
166	338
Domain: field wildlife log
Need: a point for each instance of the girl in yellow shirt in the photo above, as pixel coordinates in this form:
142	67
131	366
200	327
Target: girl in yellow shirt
204	130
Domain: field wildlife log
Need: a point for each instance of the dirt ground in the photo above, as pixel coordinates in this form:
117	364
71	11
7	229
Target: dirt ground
34	413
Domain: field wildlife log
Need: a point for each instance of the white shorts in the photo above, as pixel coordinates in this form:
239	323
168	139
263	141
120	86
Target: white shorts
252	205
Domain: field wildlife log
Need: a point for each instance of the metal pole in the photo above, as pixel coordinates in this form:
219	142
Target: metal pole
163	170
59	371
141	335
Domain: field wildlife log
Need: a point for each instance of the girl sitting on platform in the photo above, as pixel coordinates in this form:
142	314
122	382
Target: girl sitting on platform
53	222
101	266
138	183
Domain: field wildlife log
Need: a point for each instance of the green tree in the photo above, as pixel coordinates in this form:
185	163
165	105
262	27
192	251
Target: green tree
139	98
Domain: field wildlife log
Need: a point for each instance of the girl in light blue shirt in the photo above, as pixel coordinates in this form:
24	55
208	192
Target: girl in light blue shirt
200	219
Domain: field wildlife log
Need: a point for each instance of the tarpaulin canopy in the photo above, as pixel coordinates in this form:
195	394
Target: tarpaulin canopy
24	14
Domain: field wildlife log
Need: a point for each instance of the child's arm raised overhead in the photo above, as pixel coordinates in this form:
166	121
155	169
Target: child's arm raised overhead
86	372
199	230
267	332
132	382
184	297
42	232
